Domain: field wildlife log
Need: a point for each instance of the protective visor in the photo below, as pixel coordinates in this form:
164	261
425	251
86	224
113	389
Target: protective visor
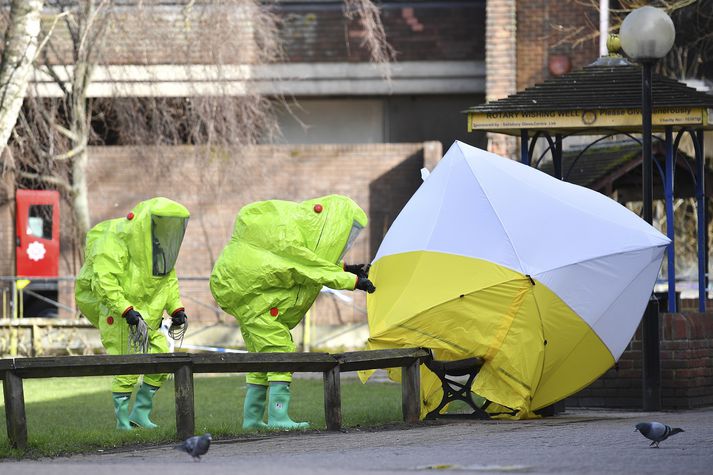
166	238
353	234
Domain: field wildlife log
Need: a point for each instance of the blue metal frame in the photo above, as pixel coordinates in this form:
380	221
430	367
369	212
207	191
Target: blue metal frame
670	231
702	231
667	174
524	150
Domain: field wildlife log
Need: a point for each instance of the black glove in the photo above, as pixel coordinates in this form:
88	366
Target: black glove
132	316
365	284
178	318
361	270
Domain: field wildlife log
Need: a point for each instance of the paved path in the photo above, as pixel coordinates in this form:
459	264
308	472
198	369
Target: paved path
576	442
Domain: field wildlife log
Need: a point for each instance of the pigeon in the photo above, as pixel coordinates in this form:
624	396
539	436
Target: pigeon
656	431
196	446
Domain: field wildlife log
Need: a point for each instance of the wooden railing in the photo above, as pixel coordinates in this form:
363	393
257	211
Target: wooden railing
184	365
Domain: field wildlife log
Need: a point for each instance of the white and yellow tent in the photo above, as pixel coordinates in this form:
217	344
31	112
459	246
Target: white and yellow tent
545	280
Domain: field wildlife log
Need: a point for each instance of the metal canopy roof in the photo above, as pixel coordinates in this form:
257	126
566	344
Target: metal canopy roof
603	95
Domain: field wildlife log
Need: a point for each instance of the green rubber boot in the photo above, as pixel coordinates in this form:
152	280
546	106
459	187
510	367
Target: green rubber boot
142	407
254	408
277	417
121	409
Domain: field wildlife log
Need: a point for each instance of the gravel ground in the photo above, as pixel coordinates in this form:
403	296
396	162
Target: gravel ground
578	441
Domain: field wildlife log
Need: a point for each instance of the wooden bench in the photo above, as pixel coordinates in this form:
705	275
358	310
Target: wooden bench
184	365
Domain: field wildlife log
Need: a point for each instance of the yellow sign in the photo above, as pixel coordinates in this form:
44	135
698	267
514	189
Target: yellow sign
586	118
22	283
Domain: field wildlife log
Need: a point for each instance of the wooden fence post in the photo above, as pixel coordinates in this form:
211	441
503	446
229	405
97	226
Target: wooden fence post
411	391
333	399
185	412
15	410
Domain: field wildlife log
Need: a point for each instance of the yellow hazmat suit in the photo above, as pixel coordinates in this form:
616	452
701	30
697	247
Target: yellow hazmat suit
129	266
279	257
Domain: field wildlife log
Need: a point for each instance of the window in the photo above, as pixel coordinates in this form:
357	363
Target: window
39	221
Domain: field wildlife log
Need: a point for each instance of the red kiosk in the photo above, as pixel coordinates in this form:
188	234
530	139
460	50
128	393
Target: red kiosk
37	251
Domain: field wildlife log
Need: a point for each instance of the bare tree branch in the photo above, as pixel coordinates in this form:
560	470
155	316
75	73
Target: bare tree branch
374	35
71	153
50	179
48	35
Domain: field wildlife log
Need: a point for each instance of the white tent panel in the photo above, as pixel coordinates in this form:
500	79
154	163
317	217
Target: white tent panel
552	223
594	289
449	213
618	324
412	227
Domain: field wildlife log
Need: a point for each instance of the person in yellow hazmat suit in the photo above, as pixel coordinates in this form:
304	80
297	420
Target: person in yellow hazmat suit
126	283
280	255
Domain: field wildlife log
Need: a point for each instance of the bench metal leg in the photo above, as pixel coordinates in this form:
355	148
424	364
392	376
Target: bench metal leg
185	415
15	410
333	399
411	392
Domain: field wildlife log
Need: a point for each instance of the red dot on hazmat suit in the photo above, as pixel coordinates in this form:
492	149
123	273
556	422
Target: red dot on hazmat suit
318	208
274	311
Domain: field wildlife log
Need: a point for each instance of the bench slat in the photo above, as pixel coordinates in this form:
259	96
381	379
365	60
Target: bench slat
99	365
247	362
379	359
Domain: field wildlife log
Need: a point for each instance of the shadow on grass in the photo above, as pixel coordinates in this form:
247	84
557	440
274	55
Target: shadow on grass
75	415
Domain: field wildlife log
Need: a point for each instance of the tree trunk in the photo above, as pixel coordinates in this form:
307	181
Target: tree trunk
16	66
80	122
80	128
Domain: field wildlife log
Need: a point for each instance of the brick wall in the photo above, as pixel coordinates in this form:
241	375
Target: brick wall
417	31
165	34
501	64
547	28
522	37
686	368
310	32
214	184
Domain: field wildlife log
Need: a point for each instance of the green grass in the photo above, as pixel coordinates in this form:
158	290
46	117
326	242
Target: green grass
75	415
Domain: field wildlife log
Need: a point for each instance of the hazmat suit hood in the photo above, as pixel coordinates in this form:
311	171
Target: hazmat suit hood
331	232
155	232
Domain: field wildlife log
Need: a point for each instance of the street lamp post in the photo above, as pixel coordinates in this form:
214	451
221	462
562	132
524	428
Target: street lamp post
647	34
